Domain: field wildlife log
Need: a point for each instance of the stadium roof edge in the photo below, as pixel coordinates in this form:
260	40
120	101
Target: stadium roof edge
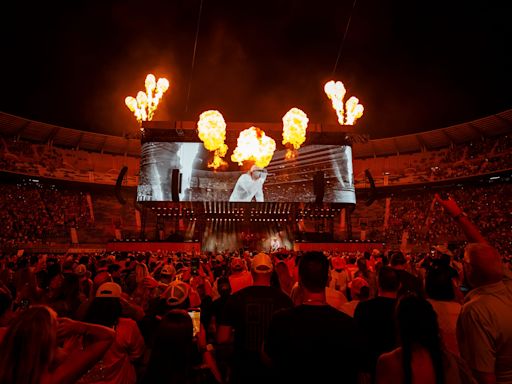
34	131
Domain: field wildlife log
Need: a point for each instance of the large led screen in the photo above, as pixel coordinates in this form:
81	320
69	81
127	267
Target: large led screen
174	171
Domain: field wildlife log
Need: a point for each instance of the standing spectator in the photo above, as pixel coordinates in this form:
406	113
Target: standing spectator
376	318
484	338
313	342
440	292
33	338
240	277
158	287
218	305
177	353
25	282
248	313
339	275
446	260
334	297
420	358
484	328
217	309
351	266
359	291
85	282
176	296
285	279
116	366
408	282
364	272
64	297
6	312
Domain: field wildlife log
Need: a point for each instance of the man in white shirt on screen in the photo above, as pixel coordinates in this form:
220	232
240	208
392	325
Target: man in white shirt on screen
250	186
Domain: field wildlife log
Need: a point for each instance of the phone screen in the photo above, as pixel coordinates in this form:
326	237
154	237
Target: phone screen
24	304
195	315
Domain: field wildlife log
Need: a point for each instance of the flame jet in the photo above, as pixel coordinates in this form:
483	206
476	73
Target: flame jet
253	145
146	103
295	124
211	128
336	92
354	110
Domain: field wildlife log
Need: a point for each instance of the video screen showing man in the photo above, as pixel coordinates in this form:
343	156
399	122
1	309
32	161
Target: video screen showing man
250	186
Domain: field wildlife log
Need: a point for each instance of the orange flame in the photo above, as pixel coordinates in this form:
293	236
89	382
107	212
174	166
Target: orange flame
336	92
290	154
354	110
212	132
295	123
254	145
145	104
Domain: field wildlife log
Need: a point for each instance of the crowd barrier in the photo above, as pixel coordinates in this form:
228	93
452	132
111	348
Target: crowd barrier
142	246
340	247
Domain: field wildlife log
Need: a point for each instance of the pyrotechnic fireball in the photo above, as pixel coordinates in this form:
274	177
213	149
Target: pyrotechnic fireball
212	132
354	110
295	123
254	145
336	92
145	105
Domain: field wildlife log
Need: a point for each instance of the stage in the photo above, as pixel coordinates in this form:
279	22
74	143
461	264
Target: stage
143	246
356	246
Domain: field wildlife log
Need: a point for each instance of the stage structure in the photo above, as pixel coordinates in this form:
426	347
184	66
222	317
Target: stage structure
178	184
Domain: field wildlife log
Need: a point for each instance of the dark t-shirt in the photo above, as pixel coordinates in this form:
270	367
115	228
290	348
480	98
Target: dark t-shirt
217	309
409	284
314	344
249	312
376	320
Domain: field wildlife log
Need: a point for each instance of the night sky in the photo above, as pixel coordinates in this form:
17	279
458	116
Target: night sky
414	65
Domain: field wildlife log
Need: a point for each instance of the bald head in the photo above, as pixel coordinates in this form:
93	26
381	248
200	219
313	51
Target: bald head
485	266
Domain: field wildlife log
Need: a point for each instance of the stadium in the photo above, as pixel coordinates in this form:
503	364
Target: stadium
98	175
247	217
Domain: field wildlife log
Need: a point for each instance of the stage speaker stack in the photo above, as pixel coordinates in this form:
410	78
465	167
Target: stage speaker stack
319	187
373	193
119	182
175	185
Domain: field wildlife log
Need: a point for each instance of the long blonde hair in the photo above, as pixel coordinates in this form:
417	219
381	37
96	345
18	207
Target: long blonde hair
141	271
28	347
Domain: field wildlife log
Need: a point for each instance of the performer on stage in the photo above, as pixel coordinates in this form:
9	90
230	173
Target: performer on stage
250	186
275	244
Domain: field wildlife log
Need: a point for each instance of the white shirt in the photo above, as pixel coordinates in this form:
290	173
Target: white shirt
484	330
247	188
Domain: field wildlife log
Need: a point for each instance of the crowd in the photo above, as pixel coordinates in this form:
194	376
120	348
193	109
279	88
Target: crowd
35	214
415	215
477	157
461	160
46	160
25	157
157	317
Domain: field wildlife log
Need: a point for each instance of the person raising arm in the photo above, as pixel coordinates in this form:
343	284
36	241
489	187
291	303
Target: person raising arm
29	352
470	230
484	326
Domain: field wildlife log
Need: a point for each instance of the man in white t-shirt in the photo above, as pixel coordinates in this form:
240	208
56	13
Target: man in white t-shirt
484	327
250	186
339	275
